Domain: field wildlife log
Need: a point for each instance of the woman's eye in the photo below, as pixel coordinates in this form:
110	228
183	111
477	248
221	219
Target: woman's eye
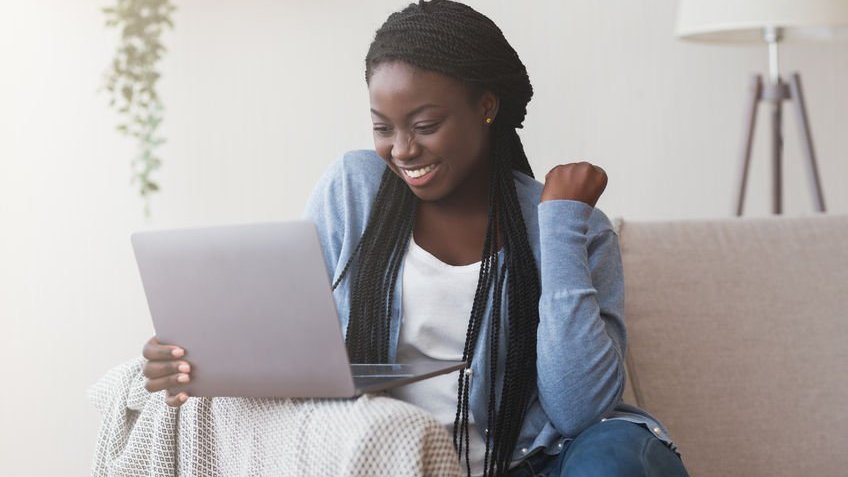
382	131
427	128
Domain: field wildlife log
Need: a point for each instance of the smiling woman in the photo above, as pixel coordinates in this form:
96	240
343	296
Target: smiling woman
432	132
441	245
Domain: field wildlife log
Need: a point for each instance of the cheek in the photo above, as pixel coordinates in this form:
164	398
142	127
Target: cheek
383	148
463	145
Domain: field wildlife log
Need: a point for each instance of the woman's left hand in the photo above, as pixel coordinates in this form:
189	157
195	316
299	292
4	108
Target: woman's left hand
576	181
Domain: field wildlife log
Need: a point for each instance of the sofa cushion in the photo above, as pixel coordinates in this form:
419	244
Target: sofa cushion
737	340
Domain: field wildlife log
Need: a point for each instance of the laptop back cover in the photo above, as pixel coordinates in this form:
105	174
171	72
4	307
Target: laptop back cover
252	306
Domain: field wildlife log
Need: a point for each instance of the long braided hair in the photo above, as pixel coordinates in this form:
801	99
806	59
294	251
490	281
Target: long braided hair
455	40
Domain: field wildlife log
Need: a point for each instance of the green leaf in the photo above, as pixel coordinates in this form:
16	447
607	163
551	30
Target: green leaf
131	81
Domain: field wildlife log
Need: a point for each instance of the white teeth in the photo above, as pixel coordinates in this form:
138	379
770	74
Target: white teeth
415	173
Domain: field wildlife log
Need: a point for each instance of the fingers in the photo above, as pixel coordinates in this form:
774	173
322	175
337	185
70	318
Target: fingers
176	401
159	384
581	164
159	369
163	370
159	352
586	166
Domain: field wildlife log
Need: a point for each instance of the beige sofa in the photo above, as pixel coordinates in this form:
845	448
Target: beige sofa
738	340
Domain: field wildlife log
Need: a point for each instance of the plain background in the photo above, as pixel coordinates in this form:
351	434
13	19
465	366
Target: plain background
262	95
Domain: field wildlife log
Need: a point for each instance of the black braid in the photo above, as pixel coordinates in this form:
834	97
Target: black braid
455	40
374	279
523	289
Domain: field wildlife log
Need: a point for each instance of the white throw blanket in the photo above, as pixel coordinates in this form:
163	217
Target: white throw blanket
373	435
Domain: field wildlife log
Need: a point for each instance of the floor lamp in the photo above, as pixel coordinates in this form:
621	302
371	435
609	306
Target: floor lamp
769	22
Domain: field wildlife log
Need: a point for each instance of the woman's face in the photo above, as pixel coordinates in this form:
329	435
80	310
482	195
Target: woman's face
429	131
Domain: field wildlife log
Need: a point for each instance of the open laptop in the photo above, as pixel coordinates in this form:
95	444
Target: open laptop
251	304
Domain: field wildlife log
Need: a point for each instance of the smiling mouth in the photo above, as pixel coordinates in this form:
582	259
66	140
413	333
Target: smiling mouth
417	173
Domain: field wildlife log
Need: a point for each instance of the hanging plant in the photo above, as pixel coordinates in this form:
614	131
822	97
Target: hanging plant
131	82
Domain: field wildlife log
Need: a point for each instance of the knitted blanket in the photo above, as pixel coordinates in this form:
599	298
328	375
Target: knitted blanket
373	435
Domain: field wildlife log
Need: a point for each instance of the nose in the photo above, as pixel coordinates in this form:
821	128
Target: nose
404	147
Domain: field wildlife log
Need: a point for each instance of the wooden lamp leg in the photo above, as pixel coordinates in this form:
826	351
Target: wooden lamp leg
756	94
776	148
807	140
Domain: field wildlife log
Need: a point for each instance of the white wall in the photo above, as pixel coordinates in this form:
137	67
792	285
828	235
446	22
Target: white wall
261	95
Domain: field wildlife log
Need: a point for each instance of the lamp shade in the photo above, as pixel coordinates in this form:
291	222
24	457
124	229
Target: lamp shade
744	20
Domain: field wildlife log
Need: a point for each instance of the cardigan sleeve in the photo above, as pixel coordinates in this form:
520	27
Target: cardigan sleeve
340	204
581	336
326	209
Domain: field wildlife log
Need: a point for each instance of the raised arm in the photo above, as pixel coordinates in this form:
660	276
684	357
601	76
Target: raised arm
581	337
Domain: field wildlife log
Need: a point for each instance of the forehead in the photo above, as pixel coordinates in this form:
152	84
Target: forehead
397	86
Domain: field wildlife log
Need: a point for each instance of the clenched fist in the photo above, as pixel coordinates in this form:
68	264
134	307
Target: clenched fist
576	181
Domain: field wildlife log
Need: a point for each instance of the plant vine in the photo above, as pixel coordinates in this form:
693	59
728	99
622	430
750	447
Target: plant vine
131	82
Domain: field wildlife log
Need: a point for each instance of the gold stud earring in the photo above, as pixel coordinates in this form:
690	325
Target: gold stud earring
488	120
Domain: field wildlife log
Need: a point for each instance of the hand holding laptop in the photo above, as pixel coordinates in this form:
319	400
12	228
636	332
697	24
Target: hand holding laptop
165	369
254	304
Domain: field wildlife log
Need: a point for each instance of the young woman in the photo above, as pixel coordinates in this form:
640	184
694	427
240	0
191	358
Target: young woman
441	245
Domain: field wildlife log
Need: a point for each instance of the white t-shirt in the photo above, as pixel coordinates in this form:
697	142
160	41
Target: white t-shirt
437	300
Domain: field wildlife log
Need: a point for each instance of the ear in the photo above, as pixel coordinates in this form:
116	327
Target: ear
488	105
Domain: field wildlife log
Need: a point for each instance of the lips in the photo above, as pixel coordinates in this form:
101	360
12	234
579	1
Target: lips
416	173
419	176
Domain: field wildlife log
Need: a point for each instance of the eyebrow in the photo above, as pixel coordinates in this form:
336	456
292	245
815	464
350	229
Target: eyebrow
411	113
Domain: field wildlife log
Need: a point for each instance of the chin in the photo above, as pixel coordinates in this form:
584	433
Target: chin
424	195
429	194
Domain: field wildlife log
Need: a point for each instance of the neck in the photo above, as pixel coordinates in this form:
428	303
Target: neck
470	198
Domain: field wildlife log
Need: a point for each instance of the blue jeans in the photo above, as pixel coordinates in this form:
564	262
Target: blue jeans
606	449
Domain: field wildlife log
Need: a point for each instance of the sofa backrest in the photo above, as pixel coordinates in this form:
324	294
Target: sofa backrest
738	340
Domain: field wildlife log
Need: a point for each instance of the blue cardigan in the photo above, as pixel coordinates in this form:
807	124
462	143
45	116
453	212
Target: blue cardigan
581	338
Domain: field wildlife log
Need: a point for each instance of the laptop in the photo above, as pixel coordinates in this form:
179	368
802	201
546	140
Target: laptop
252	306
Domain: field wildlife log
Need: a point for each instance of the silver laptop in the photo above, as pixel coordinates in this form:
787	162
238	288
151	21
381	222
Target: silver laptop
252	306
